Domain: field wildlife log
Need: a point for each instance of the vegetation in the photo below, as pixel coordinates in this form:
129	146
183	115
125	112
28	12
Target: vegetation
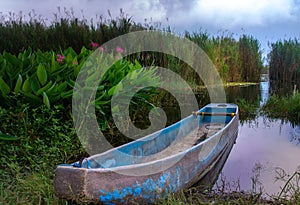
37	131
18	33
284	107
28	161
284	65
39	64
236	60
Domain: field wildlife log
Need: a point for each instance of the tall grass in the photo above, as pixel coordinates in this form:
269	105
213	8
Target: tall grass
284	107
284	65
18	33
236	60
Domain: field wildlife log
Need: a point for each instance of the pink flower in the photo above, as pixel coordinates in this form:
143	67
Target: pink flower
60	58
94	45
119	49
75	63
101	49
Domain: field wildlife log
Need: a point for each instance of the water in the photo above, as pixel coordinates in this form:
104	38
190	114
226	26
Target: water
264	92
263	147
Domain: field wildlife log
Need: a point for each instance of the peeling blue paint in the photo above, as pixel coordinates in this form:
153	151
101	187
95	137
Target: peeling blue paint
149	189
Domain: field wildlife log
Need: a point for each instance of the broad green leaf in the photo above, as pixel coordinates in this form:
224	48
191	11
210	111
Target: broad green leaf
77	68
53	62
67	94
13	60
43	89
52	89
42	74
70	51
62	87
101	87
26	88
115	109
41	56
46	100
69	58
133	75
18	84
33	97
137	64
35	85
5	89
111	91
8	137
70	82
99	102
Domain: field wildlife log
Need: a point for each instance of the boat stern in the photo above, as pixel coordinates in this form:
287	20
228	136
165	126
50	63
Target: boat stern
70	183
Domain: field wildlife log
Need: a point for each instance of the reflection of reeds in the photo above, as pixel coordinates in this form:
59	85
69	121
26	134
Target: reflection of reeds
290	192
231	193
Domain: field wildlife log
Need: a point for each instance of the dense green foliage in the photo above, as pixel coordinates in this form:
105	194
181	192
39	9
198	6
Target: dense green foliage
27	164
37	131
236	60
39	77
284	107
48	78
284	65
39	64
18	33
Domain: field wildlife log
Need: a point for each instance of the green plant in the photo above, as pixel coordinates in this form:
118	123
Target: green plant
45	138
283	107
284	65
247	110
38	77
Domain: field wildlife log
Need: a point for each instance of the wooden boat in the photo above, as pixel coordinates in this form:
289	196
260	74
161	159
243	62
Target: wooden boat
151	167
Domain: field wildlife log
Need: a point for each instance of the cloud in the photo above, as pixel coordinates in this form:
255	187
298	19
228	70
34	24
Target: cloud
146	9
217	13
236	13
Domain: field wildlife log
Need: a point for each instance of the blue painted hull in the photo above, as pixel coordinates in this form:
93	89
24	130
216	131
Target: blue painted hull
138	172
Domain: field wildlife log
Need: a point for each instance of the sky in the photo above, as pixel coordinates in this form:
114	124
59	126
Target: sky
266	20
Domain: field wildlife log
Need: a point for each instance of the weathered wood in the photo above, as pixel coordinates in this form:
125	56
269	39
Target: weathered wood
154	166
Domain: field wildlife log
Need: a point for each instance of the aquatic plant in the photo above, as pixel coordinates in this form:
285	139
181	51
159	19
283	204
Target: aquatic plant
236	60
284	66
285	107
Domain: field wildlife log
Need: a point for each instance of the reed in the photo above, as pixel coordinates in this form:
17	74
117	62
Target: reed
19	32
284	107
284	65
235	59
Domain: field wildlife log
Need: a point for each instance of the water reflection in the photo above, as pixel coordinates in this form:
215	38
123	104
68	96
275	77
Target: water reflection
250	93
296	133
262	146
264	92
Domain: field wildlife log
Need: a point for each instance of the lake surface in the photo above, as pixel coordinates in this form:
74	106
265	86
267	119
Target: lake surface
263	148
